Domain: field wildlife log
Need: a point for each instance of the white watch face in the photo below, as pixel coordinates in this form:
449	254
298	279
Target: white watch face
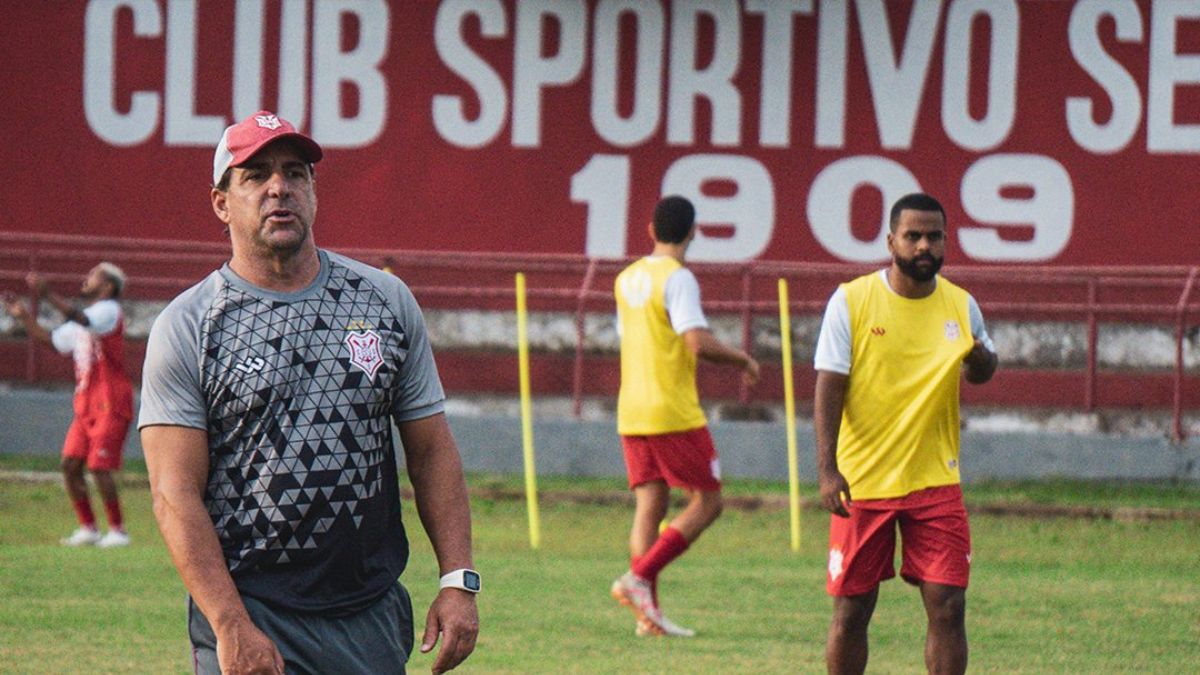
470	580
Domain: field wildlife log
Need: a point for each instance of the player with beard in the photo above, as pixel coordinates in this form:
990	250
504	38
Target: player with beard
886	417
95	337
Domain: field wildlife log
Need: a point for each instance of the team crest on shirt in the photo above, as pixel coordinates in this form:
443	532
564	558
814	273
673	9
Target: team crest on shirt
952	331
636	287
365	353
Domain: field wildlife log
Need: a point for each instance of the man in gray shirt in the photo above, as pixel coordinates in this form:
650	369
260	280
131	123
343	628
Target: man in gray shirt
268	394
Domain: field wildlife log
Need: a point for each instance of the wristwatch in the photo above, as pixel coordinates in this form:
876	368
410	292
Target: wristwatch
464	579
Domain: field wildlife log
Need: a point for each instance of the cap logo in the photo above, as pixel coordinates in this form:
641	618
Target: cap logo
267	121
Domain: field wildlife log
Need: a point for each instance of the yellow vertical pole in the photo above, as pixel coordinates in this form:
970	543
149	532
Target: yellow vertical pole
789	401
531	501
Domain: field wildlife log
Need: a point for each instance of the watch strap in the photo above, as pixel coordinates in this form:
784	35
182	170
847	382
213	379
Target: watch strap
462	579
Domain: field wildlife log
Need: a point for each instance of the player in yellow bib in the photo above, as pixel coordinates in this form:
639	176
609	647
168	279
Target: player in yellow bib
886	415
664	434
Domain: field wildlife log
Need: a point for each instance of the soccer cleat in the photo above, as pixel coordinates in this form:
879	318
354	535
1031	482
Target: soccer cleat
636	593
645	628
669	628
84	536
113	538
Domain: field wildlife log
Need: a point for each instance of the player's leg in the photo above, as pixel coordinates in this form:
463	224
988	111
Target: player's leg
702	510
687	460
861	552
651	496
107	487
667	546
76	484
74	458
846	645
650	492
946	636
671	543
107	438
937	558
650	507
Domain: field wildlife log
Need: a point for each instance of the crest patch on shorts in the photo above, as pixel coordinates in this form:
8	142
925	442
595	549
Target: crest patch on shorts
835	564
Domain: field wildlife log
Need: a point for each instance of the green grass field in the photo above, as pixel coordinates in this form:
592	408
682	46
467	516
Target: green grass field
1048	594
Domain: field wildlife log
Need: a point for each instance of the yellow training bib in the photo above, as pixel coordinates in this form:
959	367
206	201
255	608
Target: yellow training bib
900	422
658	372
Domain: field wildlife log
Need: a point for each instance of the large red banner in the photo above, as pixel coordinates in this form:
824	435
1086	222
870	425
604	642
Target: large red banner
1054	132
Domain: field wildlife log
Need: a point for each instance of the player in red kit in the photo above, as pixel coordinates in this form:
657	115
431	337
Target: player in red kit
94	336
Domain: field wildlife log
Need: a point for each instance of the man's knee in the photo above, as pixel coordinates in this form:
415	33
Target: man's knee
72	466
852	614
947	607
709	504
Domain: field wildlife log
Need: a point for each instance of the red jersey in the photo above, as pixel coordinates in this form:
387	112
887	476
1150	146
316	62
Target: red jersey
102	385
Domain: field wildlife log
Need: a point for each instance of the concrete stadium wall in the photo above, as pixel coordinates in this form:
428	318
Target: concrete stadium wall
1020	344
33	421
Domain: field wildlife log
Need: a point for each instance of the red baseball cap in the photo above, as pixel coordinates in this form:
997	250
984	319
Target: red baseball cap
242	140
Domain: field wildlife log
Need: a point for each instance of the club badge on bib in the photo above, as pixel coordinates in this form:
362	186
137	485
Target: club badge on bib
952	331
365	353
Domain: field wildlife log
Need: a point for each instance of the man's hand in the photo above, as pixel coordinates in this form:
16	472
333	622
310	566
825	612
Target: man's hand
36	283
981	363
14	307
454	618
750	376
833	485
243	649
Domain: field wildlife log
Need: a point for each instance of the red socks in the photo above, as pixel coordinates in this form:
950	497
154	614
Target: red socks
83	511
113	510
670	545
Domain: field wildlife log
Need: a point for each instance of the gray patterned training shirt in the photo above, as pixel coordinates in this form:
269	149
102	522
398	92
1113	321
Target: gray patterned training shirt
296	392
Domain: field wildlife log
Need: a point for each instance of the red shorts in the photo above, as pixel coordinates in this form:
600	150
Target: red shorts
100	440
933	529
684	459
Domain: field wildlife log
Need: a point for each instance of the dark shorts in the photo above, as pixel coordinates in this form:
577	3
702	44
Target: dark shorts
935	535
378	639
99	440
684	459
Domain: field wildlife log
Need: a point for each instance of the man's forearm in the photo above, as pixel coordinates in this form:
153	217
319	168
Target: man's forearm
828	400
439	489
196	553
69	311
440	493
708	347
34	329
